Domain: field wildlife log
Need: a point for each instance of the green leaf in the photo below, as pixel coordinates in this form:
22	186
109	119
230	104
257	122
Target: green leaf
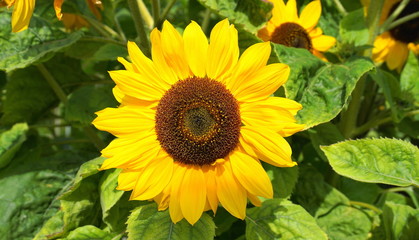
249	14
388	161
333	210
146	222
22	49
85	101
322	88
283	179
89	232
408	79
281	219
400	221
110	52
29	186
28	95
324	134
360	191
10	142
224	221
353	29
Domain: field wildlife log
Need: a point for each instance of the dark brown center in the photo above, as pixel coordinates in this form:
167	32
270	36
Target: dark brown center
409	31
198	121
292	35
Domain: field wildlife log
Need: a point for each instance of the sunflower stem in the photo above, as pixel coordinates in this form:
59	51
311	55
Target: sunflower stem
166	11
63	98
366	205
393	15
156	11
104	40
340	7
350	116
402	20
147	18
139	26
103	29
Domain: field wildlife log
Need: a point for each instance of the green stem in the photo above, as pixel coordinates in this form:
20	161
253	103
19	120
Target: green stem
402	20
377	122
145	14
156	11
366	205
206	20
104	40
63	98
350	116
340	7
52	83
166	11
119	29
393	15
139	26
103	29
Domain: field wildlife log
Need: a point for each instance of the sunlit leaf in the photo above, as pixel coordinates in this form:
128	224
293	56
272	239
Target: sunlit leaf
388	161
10	142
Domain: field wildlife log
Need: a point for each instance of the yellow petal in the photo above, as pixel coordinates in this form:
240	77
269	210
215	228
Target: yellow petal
153	178
144	66
134	156
57	8
230	192
251	174
291	11
22	13
315	32
254	199
209	172
125	120
173	51
127	180
277	113
118	94
323	43
253	58
397	55
136	85
382	45
269	146
193	194
223	50
159	60
278	13
196	48
174	205
311	15
262	83
128	66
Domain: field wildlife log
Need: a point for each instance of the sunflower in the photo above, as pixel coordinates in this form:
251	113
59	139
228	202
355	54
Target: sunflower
286	28
393	46
195	120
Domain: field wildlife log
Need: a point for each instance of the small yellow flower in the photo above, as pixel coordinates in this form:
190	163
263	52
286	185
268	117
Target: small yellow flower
194	121
393	46
286	28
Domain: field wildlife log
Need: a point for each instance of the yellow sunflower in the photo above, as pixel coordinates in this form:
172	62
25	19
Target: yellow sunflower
286	28
393	46
195	120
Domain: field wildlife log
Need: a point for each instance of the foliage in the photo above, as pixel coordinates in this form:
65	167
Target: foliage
358	159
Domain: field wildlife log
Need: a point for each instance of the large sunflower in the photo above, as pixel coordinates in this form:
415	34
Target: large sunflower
195	120
286	28
393	46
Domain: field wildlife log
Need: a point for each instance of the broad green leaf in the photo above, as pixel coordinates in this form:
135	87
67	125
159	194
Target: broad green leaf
28	95
22	49
87	169
10	142
52	227
85	101
115	204
324	134
333	210
283	180
249	14
224	221
146	222
400	221
89	232
360	191
408	79
281	219
29	186
110	52
353	29
322	88
329	18
388	161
